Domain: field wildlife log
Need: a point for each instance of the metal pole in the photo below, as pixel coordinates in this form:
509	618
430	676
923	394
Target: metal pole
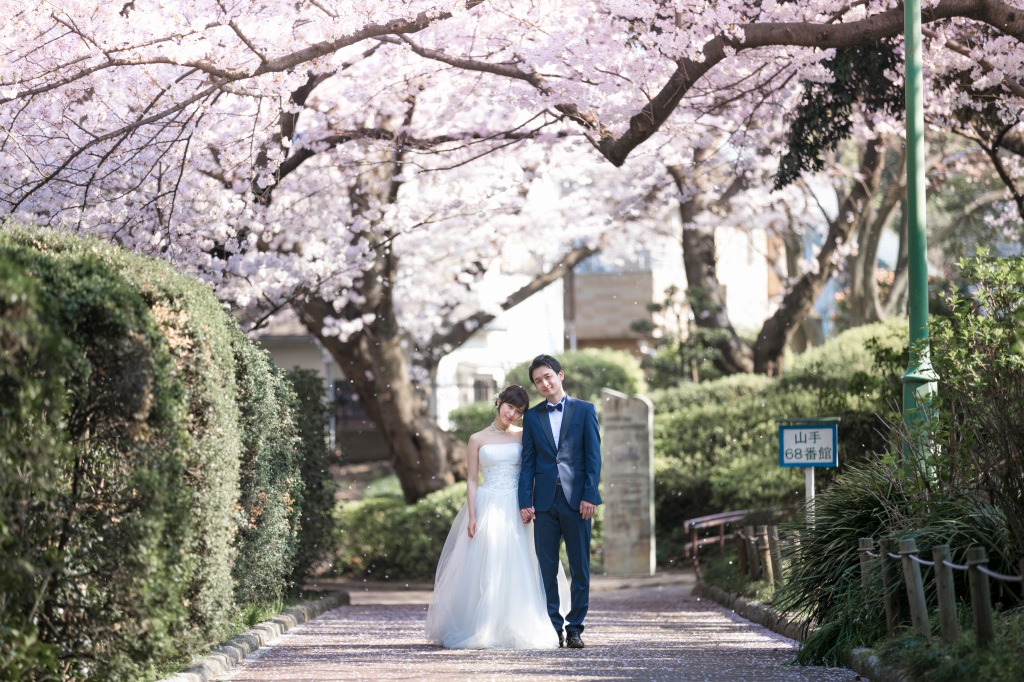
919	381
809	493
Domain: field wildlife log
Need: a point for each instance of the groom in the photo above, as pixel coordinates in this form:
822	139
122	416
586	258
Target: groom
558	489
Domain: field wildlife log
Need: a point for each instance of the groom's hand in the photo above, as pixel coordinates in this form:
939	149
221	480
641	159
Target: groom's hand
587	510
527	514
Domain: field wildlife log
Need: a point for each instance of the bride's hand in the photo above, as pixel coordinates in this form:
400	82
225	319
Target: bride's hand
471	528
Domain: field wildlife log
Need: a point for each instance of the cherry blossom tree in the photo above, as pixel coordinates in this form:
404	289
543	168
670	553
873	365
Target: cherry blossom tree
310	152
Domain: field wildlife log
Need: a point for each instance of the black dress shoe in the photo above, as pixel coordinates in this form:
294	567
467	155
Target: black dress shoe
574	641
561	639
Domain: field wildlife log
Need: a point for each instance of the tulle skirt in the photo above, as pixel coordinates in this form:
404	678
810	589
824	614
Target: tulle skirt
488	592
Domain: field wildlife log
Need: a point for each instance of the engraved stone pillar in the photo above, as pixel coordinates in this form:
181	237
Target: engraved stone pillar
627	475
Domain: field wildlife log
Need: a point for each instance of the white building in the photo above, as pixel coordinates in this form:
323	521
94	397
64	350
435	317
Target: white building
593	307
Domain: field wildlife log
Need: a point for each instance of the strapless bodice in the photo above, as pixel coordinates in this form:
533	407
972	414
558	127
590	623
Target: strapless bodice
500	464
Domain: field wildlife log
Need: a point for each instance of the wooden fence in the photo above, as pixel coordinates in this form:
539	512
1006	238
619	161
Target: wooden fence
978	575
760	553
760	558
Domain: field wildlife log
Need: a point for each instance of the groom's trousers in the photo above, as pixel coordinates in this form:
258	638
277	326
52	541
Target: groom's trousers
558	522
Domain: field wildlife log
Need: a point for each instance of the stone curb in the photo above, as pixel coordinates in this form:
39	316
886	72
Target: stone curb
862	661
755	612
221	659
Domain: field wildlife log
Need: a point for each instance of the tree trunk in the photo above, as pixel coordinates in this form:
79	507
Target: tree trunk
424	457
777	330
864	301
704	292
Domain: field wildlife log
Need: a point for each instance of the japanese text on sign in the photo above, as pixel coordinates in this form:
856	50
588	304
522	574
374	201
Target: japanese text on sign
804	446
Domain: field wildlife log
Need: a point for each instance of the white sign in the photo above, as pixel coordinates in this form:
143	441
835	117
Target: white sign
809	446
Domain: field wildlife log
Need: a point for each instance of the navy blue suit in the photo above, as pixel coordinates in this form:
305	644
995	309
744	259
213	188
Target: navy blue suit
557	511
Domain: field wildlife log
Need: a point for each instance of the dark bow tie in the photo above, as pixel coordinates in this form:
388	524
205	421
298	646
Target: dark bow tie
552	408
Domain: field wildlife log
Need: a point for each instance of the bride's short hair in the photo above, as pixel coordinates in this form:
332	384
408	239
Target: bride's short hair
514	395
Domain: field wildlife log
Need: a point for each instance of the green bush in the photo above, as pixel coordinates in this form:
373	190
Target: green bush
270	485
978	355
116	483
381	537
32	443
716	443
316	549
964	488
469	419
878	499
119	466
386	539
589	370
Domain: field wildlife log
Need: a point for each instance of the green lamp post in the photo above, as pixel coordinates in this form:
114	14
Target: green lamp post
920	380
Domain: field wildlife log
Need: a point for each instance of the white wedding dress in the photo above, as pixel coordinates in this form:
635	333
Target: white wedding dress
488	592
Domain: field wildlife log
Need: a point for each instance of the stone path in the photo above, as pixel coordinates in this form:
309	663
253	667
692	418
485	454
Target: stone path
636	630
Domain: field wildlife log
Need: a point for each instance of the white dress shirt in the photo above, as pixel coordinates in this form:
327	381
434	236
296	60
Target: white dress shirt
555	418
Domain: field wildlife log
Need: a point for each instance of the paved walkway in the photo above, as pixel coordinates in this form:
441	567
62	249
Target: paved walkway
643	629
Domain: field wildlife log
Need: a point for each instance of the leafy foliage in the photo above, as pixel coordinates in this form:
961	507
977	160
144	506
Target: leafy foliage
682	351
270	494
978	354
469	419
824	117
955	482
383	538
312	415
122	421
716	442
386	539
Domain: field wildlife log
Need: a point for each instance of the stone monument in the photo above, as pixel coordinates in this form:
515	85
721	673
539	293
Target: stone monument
627	474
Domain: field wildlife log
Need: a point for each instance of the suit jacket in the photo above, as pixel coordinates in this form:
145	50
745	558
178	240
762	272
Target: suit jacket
580	440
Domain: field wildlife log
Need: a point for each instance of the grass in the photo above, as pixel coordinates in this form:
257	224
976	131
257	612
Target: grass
931	660
722	570
920	659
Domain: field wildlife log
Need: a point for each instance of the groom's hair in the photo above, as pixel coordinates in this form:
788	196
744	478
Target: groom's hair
545	361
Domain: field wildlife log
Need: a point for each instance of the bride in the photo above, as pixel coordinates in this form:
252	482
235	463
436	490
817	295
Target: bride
488	592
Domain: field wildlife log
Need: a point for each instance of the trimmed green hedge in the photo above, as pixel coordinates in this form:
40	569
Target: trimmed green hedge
716	443
149	480
469	419
386	539
315	552
383	538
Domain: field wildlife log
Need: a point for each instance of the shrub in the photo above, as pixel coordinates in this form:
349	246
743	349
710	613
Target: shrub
270	485
878	499
716	443
383	538
978	355
31	445
115	483
469	419
588	371
962	489
386	539
316	533
119	470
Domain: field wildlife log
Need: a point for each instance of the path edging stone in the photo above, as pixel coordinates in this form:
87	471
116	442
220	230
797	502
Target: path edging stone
230	653
862	661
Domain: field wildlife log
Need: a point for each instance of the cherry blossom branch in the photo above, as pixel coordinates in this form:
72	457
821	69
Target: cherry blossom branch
996	13
1013	86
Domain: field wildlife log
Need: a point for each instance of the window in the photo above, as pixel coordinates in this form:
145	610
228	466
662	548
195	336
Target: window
484	389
